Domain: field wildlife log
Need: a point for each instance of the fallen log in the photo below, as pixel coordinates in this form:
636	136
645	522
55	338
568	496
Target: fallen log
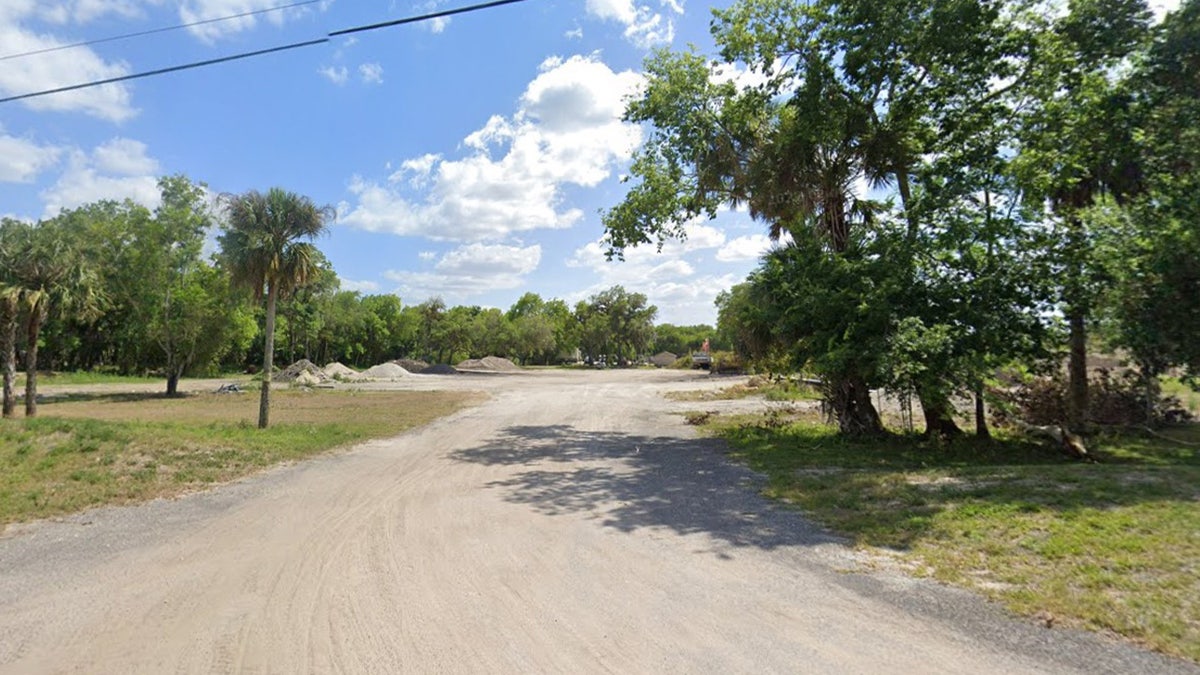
1071	444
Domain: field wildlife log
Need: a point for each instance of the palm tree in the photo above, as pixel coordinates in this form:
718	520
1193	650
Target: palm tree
11	240
263	251
48	272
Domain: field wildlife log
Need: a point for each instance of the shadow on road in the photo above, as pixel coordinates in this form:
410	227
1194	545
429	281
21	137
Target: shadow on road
633	482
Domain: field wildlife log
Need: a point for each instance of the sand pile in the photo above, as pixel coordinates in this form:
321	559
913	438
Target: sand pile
440	369
411	365
338	371
490	363
294	371
385	371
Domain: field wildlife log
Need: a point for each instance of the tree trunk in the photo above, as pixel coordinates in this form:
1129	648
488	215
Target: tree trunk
939	416
8	352
981	427
1077	382
173	383
31	354
850	399
264	403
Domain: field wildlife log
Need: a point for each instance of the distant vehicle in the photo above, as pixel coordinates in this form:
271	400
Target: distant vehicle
701	360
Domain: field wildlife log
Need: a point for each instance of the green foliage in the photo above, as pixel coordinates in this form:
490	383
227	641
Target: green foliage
615	325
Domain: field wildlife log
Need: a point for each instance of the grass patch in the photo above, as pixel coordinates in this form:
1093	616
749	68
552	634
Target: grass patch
768	388
86	451
1111	546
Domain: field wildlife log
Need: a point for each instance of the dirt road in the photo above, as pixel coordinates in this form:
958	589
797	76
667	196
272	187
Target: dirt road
573	523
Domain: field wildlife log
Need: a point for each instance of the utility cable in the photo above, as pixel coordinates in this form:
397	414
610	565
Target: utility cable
260	52
152	31
160	71
424	17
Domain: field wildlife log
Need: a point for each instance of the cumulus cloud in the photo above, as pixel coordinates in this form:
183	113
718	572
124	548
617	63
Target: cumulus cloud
118	169
53	69
750	247
470	270
335	74
567	131
371	73
21	160
676	279
82	11
248	12
644	26
359	286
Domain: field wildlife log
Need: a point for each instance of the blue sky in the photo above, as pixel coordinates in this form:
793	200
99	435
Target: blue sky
467	158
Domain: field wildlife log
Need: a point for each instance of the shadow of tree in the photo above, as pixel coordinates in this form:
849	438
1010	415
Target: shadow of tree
633	482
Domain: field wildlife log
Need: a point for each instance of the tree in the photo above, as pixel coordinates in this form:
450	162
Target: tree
1077	150
12	236
50	274
616	323
263	249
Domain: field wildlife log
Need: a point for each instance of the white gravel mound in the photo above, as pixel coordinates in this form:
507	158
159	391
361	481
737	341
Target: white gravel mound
490	363
384	371
339	372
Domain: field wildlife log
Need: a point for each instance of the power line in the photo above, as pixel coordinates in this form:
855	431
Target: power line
160	71
152	31
246	55
424	17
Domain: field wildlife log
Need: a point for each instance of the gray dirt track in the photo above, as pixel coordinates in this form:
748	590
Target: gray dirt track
572	523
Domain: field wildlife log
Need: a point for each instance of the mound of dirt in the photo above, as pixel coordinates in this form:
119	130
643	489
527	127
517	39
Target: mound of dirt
440	369
305	379
339	371
411	365
490	363
293	371
385	371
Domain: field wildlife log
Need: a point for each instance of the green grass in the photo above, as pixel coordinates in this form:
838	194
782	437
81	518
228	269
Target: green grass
74	378
1112	546
769	389
1190	398
110	449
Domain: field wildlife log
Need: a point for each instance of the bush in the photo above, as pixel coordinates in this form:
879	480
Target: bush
1113	400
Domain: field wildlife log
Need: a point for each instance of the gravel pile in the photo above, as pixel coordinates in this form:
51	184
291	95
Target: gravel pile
440	369
385	371
490	363
294	371
411	365
338	371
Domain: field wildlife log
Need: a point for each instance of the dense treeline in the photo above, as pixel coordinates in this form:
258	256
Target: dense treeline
961	184
116	287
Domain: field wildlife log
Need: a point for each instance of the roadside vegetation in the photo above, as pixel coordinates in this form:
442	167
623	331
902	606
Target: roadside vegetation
92	449
769	388
1109	546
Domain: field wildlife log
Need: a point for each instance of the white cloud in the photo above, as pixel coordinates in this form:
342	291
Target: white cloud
54	69
22	160
360	286
82	11
574	34
644	26
566	131
193	11
371	73
335	74
118	169
125	157
470	270
751	247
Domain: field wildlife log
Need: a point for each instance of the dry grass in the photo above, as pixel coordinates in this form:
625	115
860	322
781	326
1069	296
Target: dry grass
89	450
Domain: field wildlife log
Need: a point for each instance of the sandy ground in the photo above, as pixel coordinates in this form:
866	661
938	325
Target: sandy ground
573	523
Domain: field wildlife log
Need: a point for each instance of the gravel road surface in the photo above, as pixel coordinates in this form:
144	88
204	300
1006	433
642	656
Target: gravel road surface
571	524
